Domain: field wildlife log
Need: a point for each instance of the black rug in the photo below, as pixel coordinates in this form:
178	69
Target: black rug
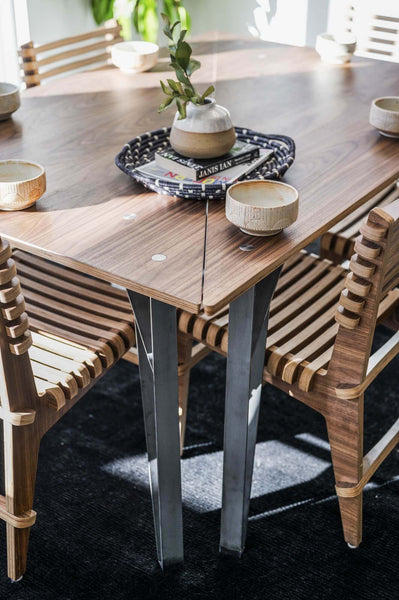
94	535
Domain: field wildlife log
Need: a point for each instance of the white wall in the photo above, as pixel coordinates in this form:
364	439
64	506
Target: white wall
8	42
294	22
56	19
286	21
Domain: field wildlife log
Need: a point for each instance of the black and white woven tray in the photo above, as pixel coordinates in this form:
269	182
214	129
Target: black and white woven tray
141	149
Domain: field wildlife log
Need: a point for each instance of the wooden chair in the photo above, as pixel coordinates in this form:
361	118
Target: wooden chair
77	329
376	26
320	334
374	22
34	58
339	242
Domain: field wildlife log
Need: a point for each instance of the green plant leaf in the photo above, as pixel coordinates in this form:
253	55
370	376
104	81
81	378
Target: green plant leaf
166	28
182	109
183	53
188	92
102	10
180	73
136	15
174	86
167	103
193	65
166	90
175	24
207	92
184	17
150	23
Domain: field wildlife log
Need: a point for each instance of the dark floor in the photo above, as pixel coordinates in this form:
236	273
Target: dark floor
94	535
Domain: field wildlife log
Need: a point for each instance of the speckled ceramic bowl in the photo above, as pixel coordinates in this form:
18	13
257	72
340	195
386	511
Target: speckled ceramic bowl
384	115
9	100
21	184
261	208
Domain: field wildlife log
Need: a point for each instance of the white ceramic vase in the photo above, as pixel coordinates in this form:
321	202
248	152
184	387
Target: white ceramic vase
206	132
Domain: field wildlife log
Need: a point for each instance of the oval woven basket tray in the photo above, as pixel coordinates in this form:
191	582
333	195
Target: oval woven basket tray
141	149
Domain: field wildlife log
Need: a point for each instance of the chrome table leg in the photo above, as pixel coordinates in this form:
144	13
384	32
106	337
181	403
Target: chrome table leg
156	335
245	359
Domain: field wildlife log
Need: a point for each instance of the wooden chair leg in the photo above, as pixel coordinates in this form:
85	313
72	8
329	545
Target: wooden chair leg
345	432
184	348
21	449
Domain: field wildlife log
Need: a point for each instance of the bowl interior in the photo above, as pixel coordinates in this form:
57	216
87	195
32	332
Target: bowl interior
18	171
263	194
391	104
136	47
7	88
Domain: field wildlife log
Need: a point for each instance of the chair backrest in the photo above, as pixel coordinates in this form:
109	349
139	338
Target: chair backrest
40	62
373	273
374	22
17	387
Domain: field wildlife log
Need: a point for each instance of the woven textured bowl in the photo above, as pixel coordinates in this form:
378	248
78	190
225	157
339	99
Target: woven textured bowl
261	208
21	183
142	148
384	116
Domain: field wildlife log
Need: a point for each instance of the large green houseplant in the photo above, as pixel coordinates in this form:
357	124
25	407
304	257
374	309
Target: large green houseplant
143	13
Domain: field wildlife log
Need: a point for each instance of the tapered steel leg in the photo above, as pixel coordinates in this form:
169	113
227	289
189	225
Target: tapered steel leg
246	353
156	333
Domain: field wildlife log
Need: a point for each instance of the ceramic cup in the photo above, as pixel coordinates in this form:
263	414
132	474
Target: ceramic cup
21	184
134	57
262	208
9	100
384	115
336	49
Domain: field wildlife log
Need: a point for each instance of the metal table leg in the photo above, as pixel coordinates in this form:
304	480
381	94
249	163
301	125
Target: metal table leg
246	353
156	333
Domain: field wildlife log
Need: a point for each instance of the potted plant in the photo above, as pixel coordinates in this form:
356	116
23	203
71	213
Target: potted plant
201	128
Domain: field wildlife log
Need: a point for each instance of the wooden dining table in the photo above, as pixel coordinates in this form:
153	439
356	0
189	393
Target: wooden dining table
97	220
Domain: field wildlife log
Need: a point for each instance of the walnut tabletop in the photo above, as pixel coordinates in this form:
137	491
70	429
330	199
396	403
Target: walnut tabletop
76	125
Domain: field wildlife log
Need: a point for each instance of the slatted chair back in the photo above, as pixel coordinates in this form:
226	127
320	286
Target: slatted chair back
77	52
373	273
374	22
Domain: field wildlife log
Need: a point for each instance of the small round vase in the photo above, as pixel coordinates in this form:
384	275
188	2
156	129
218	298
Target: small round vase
206	132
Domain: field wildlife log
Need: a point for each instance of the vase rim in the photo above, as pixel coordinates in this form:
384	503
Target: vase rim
208	102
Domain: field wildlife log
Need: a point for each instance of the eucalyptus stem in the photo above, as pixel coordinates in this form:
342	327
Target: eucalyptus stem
181	91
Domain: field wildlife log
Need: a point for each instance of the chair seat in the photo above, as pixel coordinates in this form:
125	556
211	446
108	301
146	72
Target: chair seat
80	326
302	326
339	242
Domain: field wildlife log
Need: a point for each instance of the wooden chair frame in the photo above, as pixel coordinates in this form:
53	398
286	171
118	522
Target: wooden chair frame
28	410
338	243
334	383
33	61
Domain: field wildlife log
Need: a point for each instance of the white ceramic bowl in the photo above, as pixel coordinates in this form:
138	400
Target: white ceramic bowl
261	207
9	100
384	115
134	57
21	183
337	49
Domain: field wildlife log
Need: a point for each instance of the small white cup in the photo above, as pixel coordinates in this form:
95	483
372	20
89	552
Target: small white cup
336	48
134	57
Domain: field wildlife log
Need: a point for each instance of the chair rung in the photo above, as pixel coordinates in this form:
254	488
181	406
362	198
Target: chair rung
372	461
25	519
377	362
